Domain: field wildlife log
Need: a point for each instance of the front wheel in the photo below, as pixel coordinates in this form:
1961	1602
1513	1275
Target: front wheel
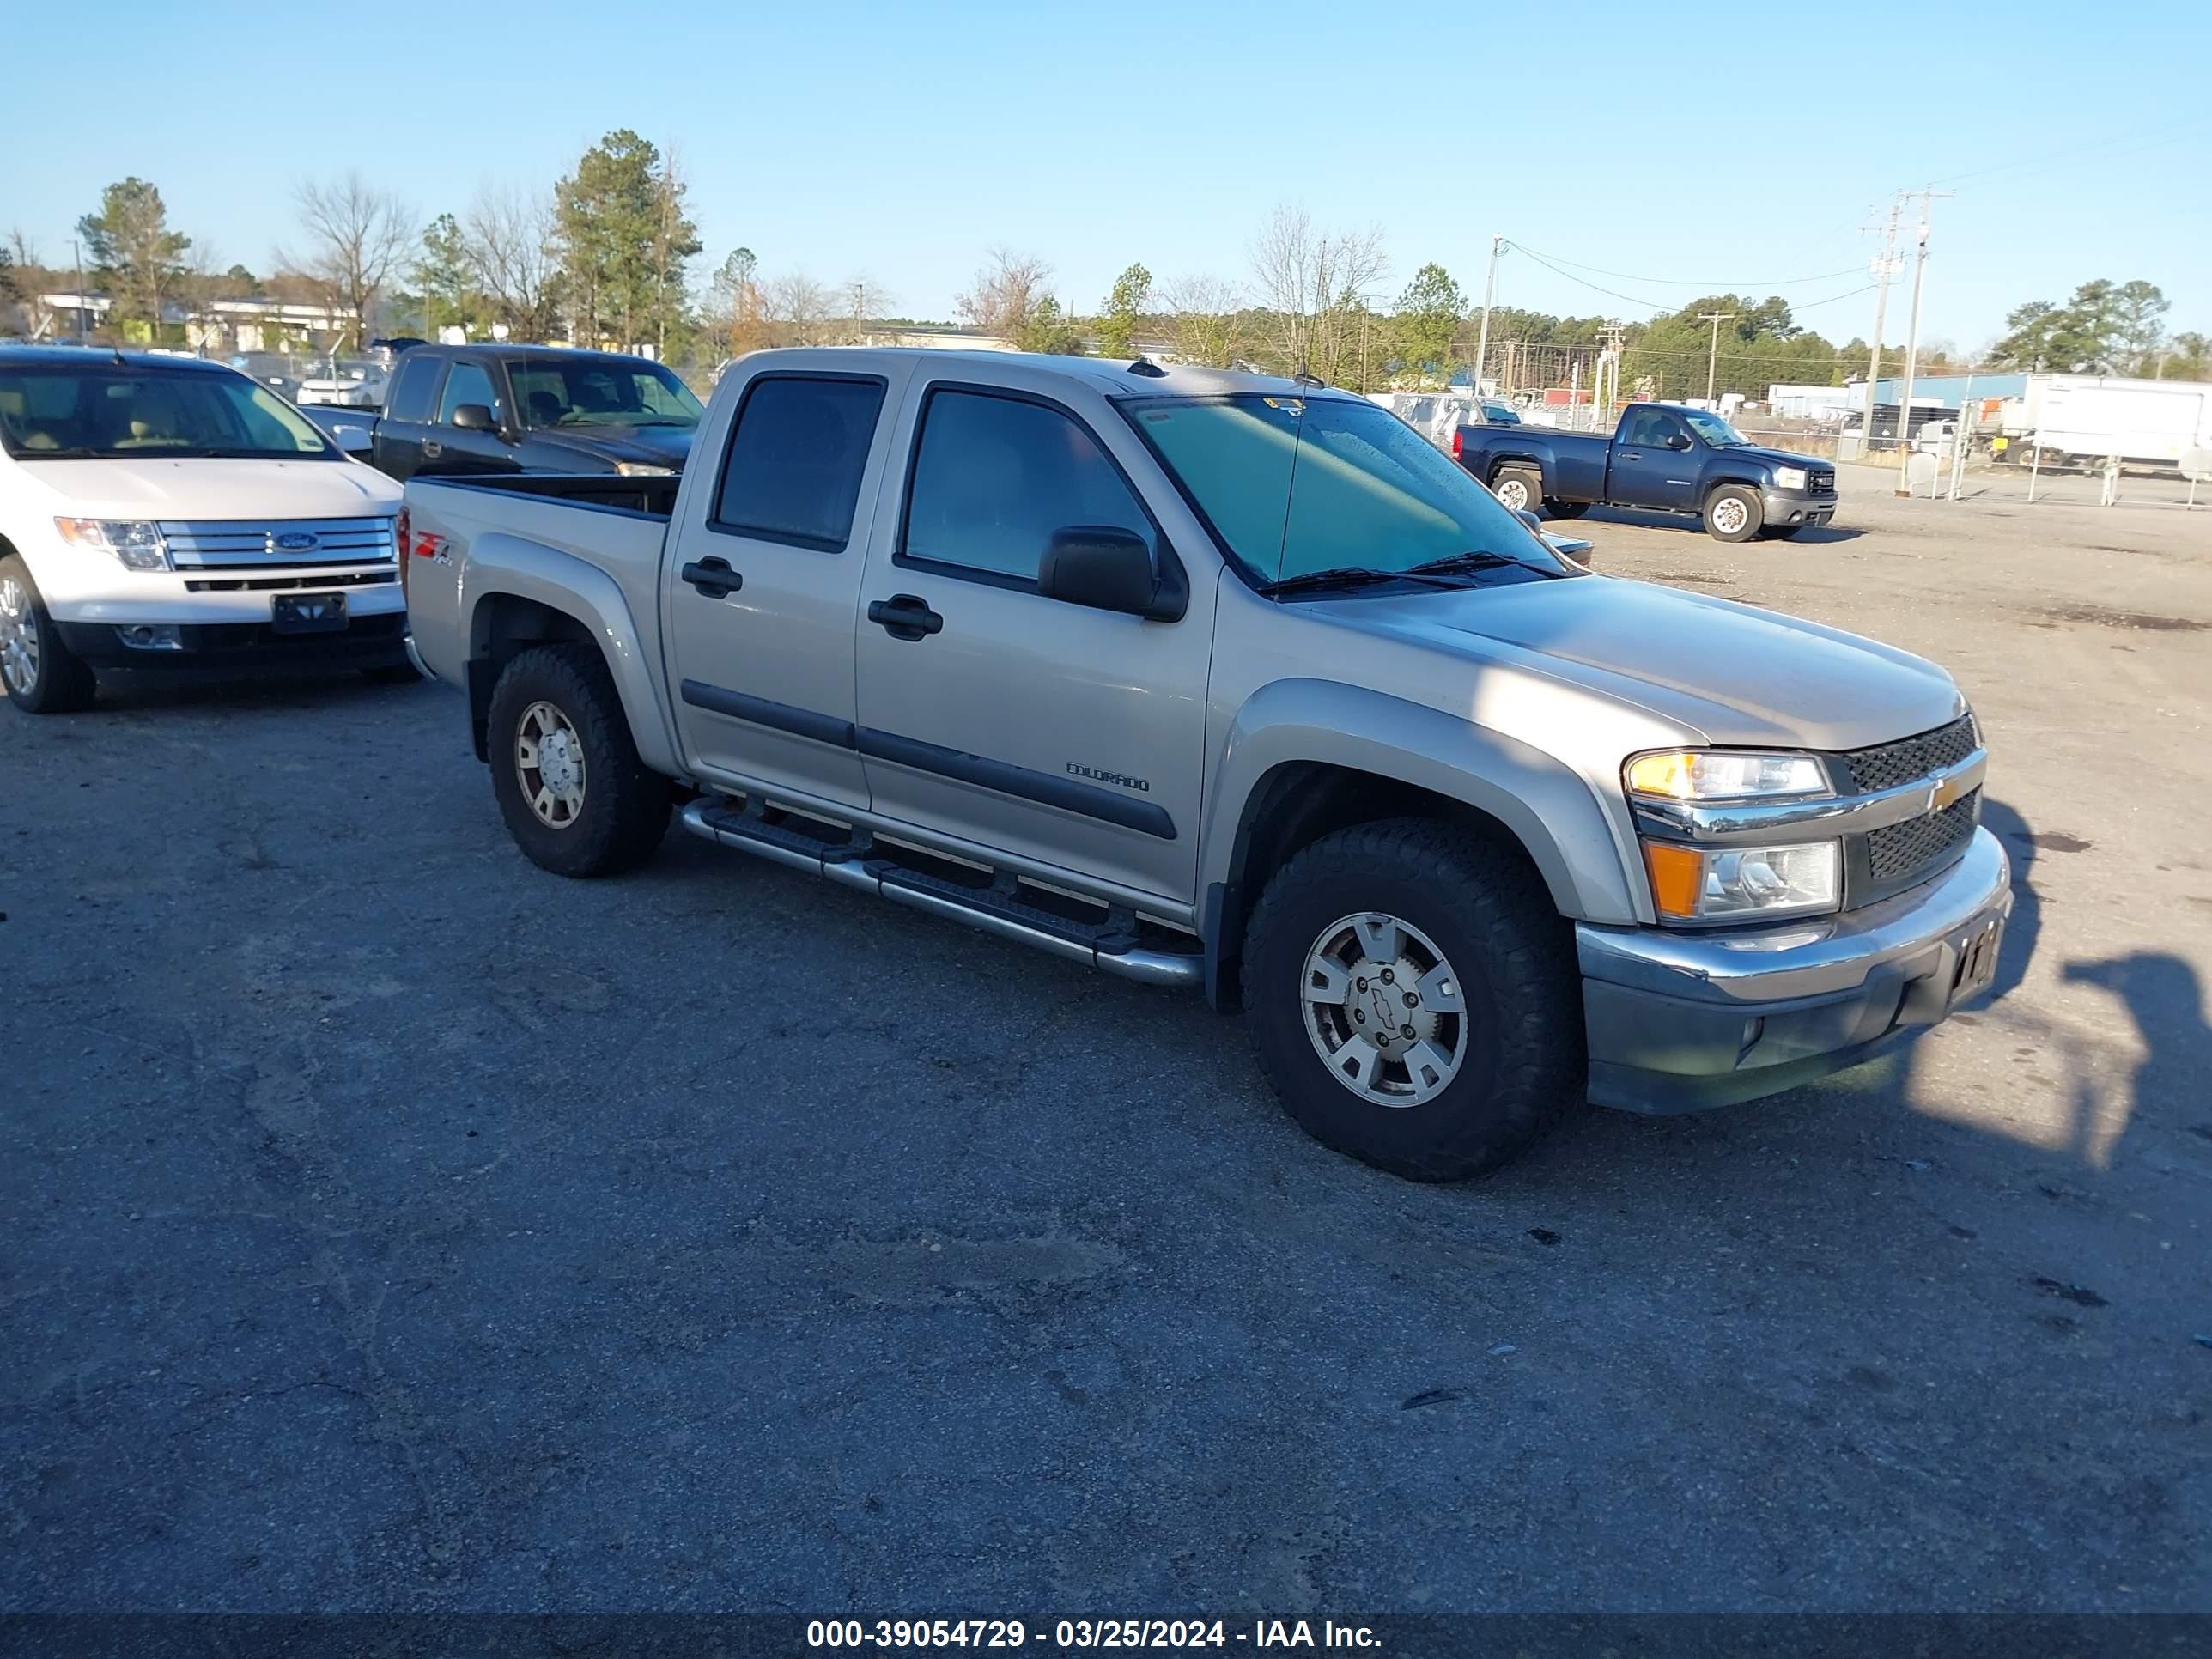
42	674
1734	513
566	772
1414	1000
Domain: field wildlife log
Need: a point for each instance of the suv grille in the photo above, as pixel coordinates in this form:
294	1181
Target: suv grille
236	545
1887	765
1821	483
1899	852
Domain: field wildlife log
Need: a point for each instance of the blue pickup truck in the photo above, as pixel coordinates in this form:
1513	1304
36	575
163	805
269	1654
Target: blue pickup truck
1663	457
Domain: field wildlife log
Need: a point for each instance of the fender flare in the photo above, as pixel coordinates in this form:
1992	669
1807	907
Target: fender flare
500	564
1550	809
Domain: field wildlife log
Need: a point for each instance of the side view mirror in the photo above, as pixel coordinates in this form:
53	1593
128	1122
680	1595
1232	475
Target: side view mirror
1529	518
475	417
1109	568
1678	440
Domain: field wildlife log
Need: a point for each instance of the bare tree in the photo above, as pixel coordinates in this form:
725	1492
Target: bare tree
797	310
1207	318
355	235
1315	283
508	241
1006	293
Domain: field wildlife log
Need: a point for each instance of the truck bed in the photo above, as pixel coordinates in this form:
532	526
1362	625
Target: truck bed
613	525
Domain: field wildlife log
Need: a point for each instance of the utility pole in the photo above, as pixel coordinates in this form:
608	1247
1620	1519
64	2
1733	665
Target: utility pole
1885	267
1489	288
1713	357
1928	194
77	250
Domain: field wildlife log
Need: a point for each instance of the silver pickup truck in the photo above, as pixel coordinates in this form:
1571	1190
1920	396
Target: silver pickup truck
1220	680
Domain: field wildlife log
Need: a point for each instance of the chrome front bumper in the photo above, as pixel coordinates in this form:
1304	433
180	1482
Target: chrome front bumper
1681	1021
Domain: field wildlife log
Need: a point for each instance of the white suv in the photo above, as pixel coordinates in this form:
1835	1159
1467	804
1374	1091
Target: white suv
162	513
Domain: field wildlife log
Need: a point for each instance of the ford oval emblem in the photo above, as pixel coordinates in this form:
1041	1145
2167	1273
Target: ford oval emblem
293	541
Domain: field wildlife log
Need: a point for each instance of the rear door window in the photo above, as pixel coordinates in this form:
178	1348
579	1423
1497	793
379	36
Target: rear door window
414	394
796	456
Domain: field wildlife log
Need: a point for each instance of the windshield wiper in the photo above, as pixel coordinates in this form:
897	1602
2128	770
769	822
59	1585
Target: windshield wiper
1353	575
1475	559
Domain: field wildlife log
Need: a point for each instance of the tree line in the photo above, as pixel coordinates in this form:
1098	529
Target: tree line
606	257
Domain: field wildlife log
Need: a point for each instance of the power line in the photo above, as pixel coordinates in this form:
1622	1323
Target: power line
1691	282
2102	150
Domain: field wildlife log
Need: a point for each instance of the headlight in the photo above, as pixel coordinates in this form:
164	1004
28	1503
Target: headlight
1713	775
640	470
1726	884
1789	478
137	543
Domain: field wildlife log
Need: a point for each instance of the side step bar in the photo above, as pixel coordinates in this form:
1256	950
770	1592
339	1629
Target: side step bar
1110	945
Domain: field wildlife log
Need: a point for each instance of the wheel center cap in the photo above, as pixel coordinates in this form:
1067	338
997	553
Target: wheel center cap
556	765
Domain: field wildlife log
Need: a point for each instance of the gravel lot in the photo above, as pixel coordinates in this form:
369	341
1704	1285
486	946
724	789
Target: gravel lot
390	1225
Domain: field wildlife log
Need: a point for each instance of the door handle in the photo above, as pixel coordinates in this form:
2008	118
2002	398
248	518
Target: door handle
904	616
433	449
713	578
1630	455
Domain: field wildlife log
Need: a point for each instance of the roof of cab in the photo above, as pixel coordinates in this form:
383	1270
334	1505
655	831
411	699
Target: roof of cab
93	357
1116	377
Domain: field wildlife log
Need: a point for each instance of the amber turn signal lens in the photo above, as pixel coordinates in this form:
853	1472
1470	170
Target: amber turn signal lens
1677	875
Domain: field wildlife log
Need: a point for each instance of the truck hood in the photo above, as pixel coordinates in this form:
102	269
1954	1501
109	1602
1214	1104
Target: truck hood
205	490
1761	454
1731	673
648	445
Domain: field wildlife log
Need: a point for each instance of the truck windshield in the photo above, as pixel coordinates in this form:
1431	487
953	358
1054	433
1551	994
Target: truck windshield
104	410
600	392
1714	430
1291	486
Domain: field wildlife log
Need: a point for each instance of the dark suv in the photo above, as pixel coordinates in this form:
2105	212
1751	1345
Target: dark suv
491	408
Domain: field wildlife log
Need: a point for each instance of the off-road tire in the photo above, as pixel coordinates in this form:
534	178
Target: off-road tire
64	685
1530	485
1492	918
1726	527
626	803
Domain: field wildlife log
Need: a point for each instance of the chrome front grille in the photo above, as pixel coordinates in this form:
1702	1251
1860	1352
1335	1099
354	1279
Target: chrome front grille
1887	765
286	543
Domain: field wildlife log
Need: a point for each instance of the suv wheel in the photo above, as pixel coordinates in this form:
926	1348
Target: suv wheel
576	797
1734	513
1518	489
41	676
1414	1000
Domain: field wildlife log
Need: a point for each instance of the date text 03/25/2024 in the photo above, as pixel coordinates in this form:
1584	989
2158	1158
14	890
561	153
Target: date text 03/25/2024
1008	1633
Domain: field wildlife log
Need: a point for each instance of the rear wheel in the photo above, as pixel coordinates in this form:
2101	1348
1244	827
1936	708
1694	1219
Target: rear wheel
1734	513
1517	487
41	675
566	772
1412	999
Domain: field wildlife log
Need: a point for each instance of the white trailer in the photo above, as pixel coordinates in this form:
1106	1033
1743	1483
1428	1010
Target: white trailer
2086	417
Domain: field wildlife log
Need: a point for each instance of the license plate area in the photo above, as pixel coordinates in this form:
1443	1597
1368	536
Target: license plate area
1978	963
307	613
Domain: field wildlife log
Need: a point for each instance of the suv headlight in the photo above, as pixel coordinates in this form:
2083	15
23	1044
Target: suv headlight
1732	881
1790	477
1719	775
1732	884
134	542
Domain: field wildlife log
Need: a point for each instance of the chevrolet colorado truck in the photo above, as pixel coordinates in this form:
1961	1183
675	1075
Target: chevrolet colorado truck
1210	679
1662	457
162	515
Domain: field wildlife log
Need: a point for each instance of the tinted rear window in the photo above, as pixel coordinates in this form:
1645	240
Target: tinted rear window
414	389
793	469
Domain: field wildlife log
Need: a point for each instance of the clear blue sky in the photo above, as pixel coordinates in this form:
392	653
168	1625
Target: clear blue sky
1731	144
